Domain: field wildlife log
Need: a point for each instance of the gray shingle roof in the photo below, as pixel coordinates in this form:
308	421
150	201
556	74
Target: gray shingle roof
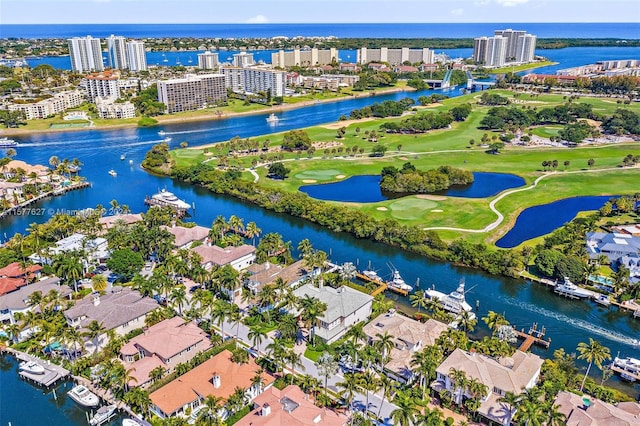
340	302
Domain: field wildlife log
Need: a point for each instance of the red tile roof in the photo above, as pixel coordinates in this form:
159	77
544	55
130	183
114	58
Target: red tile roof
15	270
7	285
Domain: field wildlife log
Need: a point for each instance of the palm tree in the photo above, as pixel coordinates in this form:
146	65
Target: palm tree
219	310
327	366
419	299
425	363
384	344
594	352
99	282
157	373
530	414
267	298
94	330
277	351
256	335
388	386
459	382
405	414
511	400
349	387
356	333
252	231
311	310
432	418
138	399
178	298
466	321
554	416
257	381
494	320
294	360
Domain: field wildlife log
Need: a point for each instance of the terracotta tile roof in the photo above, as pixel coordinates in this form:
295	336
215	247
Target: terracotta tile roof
222	256
15	270
197	383
184	235
28	168
290	407
170	337
7	285
128	219
141	368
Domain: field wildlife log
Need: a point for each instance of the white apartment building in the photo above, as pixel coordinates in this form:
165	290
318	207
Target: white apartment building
254	80
496	51
394	56
117	52
137	58
85	54
192	92
103	85
208	60
109	109
525	48
506	46
243	59
52	106
303	58
512	36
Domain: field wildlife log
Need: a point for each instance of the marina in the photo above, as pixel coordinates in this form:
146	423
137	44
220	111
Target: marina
628	368
45	374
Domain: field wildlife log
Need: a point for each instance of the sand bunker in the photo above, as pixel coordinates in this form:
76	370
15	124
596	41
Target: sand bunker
309	181
340	177
431	197
436	211
382	209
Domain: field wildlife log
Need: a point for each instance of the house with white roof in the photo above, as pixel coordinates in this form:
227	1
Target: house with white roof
345	307
622	249
95	250
511	374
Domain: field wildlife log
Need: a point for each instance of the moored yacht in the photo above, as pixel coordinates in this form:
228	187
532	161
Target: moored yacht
166	198
372	275
84	396
103	414
602	299
629	364
272	118
31	367
398	283
454	302
569	289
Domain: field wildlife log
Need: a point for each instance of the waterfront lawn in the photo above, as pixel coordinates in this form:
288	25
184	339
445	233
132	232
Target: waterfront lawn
516	68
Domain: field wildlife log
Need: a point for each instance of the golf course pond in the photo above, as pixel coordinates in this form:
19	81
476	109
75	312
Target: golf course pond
366	188
541	220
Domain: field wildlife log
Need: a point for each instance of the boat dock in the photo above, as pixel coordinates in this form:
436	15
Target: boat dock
534	336
53	373
382	286
631	374
59	191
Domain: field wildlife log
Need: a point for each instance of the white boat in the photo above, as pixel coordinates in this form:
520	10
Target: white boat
113	173
454	302
7	143
167	139
627	377
31	367
122	157
131	162
632	365
166	198
398	283
602	299
84	396
162	133
272	118
372	275
569	289
130	422
103	414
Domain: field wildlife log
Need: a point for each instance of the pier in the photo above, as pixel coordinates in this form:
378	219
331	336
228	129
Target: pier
382	286
534	336
53	373
57	191
628	371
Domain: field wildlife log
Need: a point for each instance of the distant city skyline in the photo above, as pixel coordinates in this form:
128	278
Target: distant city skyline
316	11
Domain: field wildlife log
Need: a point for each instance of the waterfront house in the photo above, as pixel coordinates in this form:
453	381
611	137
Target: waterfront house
511	374
185	237
120	309
166	344
289	406
218	376
17	301
108	222
238	257
14	276
266	273
345	307
94	249
621	248
589	411
409	336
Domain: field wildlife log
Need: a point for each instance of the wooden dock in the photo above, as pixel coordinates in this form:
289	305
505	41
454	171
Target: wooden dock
55	192
534	336
382	286
617	366
53	373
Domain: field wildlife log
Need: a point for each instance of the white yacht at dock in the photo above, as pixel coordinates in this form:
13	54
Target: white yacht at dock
166	198
453	302
569	289
398	283
84	396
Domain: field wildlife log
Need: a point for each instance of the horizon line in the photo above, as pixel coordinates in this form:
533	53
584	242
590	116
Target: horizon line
321	23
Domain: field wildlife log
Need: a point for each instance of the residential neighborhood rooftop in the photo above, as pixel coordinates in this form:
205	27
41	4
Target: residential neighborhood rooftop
596	412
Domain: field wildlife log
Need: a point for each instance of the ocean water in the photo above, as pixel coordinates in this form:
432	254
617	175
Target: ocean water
629	30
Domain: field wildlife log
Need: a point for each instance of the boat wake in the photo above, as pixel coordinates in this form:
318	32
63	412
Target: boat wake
581	324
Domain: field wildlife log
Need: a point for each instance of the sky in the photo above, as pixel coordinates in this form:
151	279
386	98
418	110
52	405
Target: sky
315	11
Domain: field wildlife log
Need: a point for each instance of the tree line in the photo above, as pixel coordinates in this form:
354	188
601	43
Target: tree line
410	180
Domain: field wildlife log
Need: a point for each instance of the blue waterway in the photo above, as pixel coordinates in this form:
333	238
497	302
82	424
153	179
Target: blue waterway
23	404
542	219
366	188
425	30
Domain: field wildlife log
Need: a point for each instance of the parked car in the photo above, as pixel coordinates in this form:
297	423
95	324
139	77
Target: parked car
160	299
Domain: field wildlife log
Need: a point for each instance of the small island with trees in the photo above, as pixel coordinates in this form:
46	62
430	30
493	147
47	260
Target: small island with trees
408	179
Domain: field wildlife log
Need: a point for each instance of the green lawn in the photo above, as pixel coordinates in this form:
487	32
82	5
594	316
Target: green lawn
452	147
516	68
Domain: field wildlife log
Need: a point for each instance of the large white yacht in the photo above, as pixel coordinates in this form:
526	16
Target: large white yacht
454	302
567	288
